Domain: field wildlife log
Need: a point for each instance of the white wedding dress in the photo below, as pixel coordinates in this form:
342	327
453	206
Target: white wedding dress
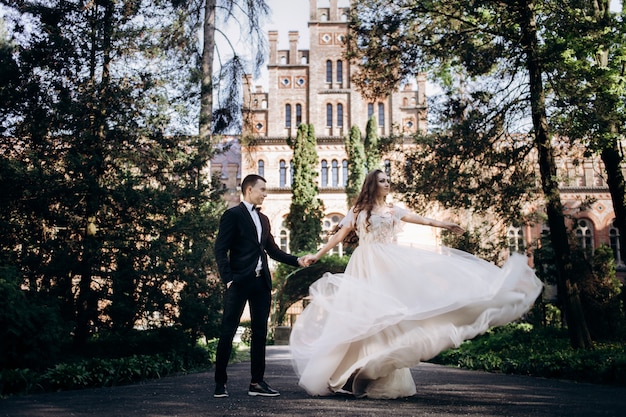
395	306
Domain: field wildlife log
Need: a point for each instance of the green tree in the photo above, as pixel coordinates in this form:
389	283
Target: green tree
585	66
306	211
372	152
484	39
356	164
113	212
219	73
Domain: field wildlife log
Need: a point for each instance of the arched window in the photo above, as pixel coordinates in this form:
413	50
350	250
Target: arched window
298	114
370	110
340	115
283	236
388	167
381	114
614	241
329	71
284	240
260	167
328	225
335	173
329	115
515	239
344	173
291	171
324	173
339	71
287	115
584	235
282	175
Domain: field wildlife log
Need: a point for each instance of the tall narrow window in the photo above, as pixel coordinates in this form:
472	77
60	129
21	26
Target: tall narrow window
381	114
329	115
298	114
614	241
329	71
370	110
284	240
282	174
291	172
340	71
340	115
287	115
324	173
335	173
261	167
344	173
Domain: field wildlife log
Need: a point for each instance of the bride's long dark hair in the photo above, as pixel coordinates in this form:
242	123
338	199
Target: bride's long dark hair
368	195
364	201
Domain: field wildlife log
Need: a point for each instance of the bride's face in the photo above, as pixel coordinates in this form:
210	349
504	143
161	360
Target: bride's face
383	184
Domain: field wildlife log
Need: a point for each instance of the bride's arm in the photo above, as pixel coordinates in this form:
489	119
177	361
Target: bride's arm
333	241
415	219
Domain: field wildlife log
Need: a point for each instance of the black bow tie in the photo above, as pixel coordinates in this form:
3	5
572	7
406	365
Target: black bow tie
256	208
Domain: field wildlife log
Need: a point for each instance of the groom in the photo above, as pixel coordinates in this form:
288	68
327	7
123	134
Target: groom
243	243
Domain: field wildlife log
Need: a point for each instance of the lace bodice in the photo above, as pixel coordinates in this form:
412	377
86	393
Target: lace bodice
383	228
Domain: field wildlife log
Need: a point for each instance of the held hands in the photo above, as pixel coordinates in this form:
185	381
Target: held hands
306	260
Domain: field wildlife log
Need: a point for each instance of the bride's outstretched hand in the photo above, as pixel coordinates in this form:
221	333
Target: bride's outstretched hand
455	228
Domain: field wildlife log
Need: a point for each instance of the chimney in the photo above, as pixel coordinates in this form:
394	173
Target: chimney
272	35
293	47
313	10
333	12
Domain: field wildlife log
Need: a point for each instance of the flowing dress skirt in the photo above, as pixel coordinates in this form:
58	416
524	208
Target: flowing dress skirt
396	306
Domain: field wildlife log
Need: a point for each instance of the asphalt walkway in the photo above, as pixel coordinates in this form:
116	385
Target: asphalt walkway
441	392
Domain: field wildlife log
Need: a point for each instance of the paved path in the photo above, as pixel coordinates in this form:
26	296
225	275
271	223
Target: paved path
441	392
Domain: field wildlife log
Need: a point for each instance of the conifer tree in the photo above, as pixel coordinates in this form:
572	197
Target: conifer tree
305	213
372	153
356	164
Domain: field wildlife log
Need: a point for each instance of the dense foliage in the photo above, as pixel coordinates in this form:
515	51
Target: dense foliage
107	213
357	166
306	210
541	352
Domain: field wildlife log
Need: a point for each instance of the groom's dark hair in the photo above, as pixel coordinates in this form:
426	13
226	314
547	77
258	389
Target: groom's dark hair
250	181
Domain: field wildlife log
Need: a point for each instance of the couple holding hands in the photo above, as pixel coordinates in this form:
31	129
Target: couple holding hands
393	307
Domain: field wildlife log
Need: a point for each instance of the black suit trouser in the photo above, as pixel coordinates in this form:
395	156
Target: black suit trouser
254	291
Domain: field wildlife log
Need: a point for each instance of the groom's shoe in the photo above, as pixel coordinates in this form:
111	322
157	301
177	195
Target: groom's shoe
262	389
220	391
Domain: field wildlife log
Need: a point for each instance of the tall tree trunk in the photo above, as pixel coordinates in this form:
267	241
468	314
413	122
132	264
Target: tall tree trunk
568	290
87	298
206	88
612	158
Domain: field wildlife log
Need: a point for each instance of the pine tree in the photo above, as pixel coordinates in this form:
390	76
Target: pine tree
306	211
357	164
372	153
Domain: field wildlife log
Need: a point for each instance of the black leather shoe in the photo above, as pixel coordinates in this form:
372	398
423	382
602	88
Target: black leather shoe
262	389
220	391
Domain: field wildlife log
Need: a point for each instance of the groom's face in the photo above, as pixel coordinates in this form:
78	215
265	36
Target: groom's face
257	193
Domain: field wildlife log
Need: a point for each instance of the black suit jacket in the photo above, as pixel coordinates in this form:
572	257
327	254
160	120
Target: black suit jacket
237	248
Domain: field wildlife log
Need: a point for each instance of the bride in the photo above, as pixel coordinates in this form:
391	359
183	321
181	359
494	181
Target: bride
395	306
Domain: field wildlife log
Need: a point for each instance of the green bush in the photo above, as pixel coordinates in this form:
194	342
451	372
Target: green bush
541	351
106	371
31	330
